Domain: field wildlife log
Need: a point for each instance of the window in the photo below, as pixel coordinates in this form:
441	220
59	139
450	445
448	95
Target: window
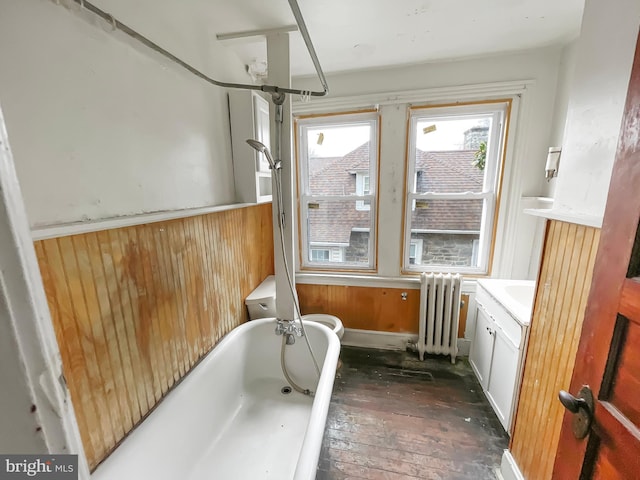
324	255
319	255
337	178
415	252
363	181
452	179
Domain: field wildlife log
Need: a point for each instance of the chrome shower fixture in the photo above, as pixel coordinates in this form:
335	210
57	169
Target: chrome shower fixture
262	148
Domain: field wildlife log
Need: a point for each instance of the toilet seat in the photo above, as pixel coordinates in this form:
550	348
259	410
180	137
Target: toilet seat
333	322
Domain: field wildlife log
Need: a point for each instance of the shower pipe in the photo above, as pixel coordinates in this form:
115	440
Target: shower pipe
273	89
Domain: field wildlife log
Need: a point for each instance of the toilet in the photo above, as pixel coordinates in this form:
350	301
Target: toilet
261	303
334	323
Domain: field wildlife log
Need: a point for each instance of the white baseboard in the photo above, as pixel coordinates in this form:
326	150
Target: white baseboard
464	346
509	468
390	341
373	339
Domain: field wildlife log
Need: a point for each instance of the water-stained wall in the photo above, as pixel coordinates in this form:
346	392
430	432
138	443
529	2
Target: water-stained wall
135	308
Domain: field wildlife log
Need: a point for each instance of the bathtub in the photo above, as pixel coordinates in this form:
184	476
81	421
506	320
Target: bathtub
228	419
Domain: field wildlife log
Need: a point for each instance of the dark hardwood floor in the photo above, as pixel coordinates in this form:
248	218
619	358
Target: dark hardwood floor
394	417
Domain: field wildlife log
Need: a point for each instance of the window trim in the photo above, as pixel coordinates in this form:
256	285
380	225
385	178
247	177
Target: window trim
360	190
320	249
499	107
371	116
417	242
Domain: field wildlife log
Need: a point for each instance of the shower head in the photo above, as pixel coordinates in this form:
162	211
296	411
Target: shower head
262	148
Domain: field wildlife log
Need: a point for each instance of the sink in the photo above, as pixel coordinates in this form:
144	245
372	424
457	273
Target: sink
514	295
522	294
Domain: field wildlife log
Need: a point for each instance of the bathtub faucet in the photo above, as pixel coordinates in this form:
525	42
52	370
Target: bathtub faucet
289	329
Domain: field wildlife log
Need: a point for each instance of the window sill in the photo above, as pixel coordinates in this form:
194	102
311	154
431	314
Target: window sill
469	274
373	281
356	280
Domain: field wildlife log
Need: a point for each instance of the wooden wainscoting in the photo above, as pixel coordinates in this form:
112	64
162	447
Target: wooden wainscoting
369	308
563	287
134	309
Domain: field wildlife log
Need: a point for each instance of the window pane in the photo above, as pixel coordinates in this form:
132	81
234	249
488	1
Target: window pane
333	163
362	188
449	230
449	154
320	255
340	228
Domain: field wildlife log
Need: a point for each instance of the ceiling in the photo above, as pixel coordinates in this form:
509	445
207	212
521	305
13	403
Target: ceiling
361	34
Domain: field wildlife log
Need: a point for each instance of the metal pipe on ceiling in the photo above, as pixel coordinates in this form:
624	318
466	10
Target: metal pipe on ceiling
273	89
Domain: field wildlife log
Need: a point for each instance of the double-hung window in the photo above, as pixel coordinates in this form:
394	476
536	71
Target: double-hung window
337	179
453	176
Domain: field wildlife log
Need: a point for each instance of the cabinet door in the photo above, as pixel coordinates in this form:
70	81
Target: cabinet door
482	347
504	368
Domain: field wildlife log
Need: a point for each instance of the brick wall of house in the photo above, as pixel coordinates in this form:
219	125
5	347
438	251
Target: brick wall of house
358	248
437	248
475	136
446	249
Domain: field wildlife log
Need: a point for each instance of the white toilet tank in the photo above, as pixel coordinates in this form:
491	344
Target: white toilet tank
261	303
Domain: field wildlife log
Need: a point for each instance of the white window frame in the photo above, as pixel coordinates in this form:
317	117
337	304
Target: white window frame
320	249
498	111
361	190
417	243
362	202
336	253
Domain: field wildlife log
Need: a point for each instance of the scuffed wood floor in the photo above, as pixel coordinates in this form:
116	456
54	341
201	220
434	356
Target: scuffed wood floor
394	417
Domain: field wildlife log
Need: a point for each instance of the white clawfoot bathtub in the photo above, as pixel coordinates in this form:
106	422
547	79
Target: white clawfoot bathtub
228	419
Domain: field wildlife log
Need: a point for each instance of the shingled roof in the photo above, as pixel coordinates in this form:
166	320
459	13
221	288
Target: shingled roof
443	172
333	221
448	172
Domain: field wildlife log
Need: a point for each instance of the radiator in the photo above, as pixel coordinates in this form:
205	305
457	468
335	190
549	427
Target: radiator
439	314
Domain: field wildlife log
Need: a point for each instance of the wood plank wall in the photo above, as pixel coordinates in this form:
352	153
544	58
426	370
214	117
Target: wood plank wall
563	288
369	308
135	308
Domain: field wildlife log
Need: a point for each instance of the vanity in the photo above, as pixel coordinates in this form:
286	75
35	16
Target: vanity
503	312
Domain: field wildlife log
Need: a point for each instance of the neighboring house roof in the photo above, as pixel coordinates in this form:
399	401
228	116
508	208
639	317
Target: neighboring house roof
448	171
333	221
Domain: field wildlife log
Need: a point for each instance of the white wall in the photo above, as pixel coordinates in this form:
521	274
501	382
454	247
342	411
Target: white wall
513	249
603	64
563	93
103	128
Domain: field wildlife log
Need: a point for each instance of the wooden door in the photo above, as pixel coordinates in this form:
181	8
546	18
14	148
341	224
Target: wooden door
608	358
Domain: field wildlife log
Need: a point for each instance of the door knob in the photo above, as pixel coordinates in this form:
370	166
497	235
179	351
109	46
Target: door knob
571	403
582	408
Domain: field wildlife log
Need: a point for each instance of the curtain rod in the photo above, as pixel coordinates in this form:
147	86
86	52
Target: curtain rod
273	89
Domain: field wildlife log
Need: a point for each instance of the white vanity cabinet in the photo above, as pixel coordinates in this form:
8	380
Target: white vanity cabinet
249	115
497	354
